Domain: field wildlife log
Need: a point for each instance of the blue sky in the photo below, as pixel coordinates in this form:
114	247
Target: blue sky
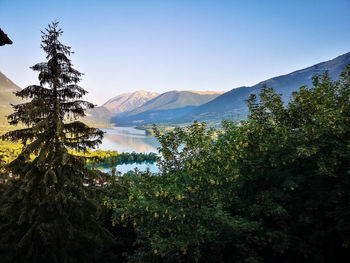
162	45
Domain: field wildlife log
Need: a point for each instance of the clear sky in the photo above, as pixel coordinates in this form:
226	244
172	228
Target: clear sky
162	45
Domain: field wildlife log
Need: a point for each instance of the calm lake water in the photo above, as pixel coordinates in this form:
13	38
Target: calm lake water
129	139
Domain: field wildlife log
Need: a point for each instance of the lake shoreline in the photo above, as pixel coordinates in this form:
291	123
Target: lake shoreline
130	141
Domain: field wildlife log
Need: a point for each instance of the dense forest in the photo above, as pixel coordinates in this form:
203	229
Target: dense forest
272	188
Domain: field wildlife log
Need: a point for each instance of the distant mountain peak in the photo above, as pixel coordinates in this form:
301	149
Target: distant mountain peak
129	101
167	105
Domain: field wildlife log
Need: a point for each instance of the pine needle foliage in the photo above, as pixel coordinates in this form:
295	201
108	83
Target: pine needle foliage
46	212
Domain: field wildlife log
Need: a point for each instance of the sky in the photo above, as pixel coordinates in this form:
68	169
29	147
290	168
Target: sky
161	45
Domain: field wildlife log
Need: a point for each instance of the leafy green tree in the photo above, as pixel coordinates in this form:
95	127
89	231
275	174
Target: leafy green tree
273	188
180	215
47	214
292	167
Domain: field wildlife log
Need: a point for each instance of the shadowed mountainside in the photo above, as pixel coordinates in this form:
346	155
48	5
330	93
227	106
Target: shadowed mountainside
232	104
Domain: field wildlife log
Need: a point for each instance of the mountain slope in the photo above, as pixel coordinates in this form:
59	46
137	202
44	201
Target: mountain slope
169	105
98	116
176	99
7	87
129	101
232	104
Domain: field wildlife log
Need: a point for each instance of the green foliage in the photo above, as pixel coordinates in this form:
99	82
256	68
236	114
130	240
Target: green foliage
47	215
182	210
11	149
293	167
273	188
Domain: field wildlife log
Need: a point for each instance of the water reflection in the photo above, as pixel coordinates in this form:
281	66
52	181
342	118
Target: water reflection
124	168
128	139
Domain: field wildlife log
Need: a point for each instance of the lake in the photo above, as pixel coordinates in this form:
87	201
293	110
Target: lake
129	139
124	168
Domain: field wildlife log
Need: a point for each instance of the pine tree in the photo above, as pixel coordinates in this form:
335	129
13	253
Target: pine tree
46	212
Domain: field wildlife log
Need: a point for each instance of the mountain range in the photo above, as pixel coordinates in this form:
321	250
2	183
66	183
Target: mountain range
181	107
232	105
165	107
129	101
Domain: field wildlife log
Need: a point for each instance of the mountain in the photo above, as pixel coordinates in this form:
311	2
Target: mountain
232	105
98	117
7	87
129	101
166	106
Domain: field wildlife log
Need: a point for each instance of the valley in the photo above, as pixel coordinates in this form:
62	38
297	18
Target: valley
142	109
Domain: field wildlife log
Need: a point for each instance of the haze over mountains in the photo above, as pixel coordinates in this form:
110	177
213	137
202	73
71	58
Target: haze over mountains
181	107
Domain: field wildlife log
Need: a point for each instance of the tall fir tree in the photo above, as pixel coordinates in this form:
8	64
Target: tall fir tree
46	212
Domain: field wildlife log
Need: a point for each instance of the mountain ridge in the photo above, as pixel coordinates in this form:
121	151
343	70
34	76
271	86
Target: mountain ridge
232	105
176	99
184	106
128	101
167	105
7	88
